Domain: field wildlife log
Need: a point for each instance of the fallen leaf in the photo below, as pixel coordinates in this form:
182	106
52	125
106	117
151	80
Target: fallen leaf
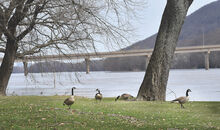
61	124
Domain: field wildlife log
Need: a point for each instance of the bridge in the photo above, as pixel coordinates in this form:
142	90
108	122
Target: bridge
124	53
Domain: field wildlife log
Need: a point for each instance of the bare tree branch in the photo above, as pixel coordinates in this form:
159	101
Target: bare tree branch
2	50
9	10
32	23
71	25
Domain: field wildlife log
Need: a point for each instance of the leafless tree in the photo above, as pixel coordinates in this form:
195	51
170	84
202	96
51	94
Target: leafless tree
38	27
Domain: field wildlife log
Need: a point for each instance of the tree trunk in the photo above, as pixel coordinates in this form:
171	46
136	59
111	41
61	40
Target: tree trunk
154	84
7	65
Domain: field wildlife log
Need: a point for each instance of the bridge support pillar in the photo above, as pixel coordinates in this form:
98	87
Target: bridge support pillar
87	65
25	68
207	60
147	60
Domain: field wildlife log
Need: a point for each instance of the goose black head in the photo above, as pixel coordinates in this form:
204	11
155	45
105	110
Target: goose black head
188	90
98	90
73	89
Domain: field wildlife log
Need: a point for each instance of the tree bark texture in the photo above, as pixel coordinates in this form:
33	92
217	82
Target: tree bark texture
9	26
7	65
156	76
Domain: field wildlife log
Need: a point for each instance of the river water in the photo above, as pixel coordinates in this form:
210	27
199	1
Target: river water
205	84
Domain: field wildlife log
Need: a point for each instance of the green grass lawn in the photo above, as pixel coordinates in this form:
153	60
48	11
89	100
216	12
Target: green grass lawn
47	112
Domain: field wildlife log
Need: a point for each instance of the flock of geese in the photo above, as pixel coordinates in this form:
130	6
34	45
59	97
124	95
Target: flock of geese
127	97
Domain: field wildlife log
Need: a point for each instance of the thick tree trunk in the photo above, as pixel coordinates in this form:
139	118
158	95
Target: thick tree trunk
7	65
154	84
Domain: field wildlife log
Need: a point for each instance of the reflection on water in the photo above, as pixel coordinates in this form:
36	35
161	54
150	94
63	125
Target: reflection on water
204	84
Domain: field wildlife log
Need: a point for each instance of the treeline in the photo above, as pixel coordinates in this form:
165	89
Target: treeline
180	61
56	66
195	61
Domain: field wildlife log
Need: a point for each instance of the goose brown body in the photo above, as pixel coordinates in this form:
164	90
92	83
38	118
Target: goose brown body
70	100
125	96
182	99
98	95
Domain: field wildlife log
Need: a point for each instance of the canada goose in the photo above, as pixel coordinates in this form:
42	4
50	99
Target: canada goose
69	101
98	95
183	99
125	96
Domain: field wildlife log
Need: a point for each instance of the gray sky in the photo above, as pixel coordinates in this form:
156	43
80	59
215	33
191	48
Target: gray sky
151	16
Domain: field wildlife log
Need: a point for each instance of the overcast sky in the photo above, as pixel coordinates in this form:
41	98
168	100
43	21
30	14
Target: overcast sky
151	16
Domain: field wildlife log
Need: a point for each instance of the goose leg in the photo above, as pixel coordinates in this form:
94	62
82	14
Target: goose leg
182	106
